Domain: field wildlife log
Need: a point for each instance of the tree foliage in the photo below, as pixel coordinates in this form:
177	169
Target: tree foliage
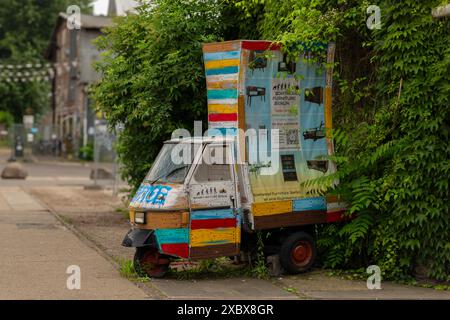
25	30
153	76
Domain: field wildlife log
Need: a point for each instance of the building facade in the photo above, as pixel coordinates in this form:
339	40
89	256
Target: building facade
72	53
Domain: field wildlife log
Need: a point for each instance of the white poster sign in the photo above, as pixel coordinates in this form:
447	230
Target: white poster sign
285	104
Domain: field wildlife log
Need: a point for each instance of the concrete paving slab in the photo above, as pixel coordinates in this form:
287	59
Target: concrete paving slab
234	288
37	250
317	285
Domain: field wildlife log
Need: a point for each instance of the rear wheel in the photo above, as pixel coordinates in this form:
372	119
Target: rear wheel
149	262
298	253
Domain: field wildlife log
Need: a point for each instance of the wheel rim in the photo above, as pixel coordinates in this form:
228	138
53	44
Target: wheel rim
153	264
301	253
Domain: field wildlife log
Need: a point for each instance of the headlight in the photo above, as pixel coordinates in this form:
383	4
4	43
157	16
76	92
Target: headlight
139	217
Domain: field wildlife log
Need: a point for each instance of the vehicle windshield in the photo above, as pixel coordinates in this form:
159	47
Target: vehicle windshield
172	163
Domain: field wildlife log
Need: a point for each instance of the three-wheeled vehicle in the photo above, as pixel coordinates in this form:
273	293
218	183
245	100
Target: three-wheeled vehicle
213	201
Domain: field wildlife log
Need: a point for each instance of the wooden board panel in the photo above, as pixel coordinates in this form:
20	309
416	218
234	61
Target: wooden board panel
163	220
212	214
176	249
224	84
207	237
260	45
289	219
213	223
271	208
222	108
164	236
221	46
309	204
213	64
336	216
217	117
219	250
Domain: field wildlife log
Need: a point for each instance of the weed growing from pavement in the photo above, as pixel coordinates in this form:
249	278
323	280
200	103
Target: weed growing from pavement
127	270
259	269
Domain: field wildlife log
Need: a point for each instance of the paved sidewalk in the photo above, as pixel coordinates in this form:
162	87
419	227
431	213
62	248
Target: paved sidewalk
92	212
37	249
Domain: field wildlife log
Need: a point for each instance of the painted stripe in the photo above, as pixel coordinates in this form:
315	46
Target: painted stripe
222	94
225	70
336	216
222	101
218	250
223	124
210	56
271	208
218	64
212	214
222	132
222	77
179	235
213	223
176	249
334	206
206	237
222	46
309	204
260	45
223	108
222	84
217	117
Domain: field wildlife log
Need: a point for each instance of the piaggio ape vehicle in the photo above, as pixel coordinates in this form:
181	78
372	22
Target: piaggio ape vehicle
213	202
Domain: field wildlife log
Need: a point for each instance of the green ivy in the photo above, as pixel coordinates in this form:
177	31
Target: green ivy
391	105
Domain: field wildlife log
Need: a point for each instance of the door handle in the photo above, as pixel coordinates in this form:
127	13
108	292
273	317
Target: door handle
232	201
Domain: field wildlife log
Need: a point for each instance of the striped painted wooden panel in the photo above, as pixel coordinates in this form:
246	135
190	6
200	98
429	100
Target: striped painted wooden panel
222	108
222	131
271	208
218	64
213	223
218	250
218	117
222	46
223	101
212	214
165	236
166	220
211	56
222	84
222	94
223	124
224	70
309	204
289	219
207	237
222	77
176	249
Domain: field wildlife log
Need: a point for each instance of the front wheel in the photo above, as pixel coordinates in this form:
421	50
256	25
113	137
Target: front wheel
149	262
298	253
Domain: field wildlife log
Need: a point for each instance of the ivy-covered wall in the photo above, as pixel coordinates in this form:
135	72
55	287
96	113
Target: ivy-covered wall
391	105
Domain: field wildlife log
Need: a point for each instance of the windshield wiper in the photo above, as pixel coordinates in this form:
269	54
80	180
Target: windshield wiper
166	175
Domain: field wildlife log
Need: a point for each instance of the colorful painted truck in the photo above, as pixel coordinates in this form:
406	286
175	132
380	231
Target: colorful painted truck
214	202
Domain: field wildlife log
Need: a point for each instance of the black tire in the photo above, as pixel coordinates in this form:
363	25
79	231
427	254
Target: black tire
155	267
298	253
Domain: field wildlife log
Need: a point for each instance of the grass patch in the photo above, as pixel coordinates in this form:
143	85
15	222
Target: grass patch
127	270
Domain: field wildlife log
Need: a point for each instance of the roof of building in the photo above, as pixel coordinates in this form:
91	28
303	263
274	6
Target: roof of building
91	22
88	22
